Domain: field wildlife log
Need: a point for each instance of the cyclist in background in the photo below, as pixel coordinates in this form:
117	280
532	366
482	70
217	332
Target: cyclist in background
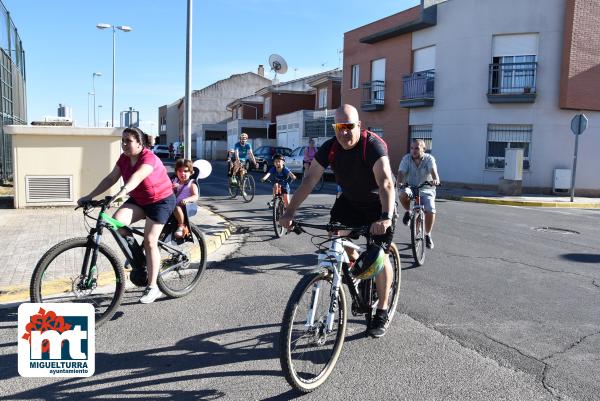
309	154
415	168
280	175
242	151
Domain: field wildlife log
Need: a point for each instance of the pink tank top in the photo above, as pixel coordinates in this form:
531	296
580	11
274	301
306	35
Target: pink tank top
157	186
309	154
183	191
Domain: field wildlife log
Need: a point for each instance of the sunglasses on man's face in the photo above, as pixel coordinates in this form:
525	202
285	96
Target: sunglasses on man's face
343	126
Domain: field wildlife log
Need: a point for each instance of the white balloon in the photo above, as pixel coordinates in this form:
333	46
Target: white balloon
205	168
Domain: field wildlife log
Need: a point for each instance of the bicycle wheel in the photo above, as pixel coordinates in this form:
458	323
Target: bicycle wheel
178	275
417	237
232	188
319	185
307	353
278	208
57	278
248	188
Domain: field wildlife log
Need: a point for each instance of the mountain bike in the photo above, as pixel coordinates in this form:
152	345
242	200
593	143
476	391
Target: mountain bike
243	184
85	270
314	322
278	206
417	222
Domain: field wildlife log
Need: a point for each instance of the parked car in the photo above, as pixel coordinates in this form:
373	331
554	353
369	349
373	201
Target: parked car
161	151
296	160
264	156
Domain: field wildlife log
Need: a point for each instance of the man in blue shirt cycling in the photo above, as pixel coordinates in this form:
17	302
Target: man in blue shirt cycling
241	152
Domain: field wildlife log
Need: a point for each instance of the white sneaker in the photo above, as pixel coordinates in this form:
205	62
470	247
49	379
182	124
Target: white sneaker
150	295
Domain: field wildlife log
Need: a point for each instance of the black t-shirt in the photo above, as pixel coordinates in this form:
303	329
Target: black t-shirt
354	175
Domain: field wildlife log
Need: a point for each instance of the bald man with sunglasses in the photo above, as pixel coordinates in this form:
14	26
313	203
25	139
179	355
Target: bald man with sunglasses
362	169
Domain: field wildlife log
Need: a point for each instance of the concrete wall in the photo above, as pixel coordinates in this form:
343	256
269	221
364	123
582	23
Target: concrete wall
87	155
463	38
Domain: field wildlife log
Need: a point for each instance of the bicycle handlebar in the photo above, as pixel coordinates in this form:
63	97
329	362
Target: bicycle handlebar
297	227
96	203
429	183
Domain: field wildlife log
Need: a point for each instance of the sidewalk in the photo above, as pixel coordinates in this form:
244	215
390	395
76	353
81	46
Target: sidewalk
537	200
26	234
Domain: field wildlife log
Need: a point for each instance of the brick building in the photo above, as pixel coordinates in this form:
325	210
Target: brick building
475	77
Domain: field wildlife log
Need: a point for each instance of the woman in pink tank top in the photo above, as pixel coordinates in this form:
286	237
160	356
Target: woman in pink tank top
309	154
150	197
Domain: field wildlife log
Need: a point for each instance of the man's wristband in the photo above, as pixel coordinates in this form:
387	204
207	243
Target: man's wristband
124	188
385	216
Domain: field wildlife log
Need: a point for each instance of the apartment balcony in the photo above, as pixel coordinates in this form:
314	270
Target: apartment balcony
512	82
417	89
373	96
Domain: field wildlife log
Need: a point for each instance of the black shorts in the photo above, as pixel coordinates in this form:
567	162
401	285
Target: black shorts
354	214
158	211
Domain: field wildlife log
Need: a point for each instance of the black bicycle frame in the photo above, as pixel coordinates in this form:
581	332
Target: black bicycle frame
132	250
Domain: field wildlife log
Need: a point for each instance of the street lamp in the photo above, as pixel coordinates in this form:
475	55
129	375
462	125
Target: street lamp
90	94
94	75
99	107
123	28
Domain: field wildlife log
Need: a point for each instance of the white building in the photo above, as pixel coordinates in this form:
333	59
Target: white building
470	130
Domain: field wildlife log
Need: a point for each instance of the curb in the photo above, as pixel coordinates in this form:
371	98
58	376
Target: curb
507	202
214	241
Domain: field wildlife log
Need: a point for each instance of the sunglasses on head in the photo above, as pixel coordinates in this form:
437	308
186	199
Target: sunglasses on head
343	126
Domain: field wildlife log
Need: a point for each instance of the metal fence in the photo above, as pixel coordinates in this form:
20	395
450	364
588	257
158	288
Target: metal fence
418	85
373	93
13	105
512	78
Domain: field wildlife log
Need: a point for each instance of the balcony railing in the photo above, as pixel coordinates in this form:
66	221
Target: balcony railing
373	96
512	82
417	89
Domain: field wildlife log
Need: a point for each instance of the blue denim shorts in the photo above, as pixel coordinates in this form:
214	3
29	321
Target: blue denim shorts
158	211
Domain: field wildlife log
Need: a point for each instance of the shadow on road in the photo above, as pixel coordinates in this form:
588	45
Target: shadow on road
581	257
165	372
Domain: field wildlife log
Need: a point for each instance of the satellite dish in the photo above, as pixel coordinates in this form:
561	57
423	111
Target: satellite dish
278	64
205	168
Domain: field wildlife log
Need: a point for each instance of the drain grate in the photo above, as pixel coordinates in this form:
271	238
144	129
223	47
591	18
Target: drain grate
556	230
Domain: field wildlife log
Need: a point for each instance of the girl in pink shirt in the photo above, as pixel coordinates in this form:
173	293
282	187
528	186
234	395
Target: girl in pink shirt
150	197
186	192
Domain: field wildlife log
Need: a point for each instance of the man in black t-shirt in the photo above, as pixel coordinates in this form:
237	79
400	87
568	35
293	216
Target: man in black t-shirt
362	169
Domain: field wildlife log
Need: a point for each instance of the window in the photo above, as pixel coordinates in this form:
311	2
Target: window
503	136
322	98
355	76
514	63
514	74
422	132
375	130
267	105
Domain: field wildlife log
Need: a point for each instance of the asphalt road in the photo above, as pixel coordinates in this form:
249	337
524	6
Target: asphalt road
502	310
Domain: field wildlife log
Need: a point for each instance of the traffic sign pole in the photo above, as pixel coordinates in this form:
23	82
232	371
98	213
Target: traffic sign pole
578	125
574	167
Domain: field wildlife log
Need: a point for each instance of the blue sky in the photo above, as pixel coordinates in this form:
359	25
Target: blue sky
63	47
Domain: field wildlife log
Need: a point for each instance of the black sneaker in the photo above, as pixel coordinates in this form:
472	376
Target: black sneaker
379	323
429	242
406	218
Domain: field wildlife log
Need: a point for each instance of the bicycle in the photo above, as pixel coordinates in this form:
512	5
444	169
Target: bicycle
83	269
278	206
313	319
417	223
244	184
